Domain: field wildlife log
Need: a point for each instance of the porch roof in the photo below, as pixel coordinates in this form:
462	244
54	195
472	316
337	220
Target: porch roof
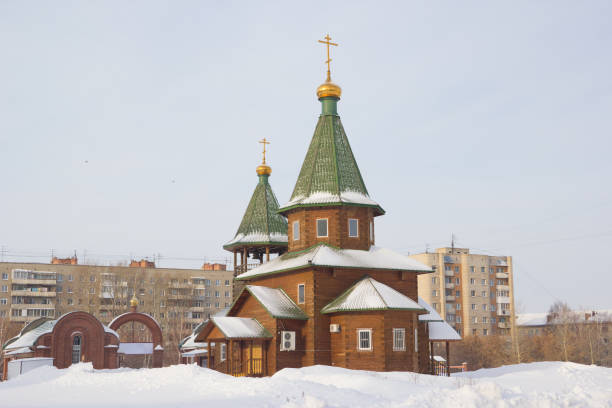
236	328
442	331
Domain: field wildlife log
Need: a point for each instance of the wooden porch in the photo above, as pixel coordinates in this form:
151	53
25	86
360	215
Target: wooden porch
239	357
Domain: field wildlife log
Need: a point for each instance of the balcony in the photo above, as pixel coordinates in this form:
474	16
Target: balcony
450	298
450	310
51	282
501	312
502	275
449	285
180	285
22	306
503	299
179	297
30	293
24	318
503	287
449	273
503	325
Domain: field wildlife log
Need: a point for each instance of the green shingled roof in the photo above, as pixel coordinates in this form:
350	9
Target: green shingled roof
261	223
329	174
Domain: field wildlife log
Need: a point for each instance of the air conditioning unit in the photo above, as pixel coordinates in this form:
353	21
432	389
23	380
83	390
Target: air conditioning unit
287	341
334	328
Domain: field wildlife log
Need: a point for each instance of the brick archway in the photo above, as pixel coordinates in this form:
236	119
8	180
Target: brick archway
151	324
92	339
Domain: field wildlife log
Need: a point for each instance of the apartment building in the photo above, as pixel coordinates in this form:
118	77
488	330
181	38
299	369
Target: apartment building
472	292
176	298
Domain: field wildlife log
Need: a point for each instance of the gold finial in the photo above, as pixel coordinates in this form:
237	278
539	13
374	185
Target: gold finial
134	302
328	43
328	88
264	168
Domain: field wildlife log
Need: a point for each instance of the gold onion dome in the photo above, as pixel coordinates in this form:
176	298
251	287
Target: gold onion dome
134	301
328	88
264	169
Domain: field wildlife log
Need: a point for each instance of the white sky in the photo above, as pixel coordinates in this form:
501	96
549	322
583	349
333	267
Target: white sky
131	128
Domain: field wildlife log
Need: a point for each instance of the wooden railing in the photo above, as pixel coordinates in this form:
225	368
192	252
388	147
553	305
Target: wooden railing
440	368
255	366
251	368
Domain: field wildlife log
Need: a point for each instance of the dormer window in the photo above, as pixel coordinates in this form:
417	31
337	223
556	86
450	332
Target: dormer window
296	230
353	227
322	228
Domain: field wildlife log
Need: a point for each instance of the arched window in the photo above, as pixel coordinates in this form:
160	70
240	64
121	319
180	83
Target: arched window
76	349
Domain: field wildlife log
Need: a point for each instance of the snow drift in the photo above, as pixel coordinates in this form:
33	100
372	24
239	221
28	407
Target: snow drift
548	384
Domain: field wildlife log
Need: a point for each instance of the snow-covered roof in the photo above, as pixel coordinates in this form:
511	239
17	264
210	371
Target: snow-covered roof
369	294
323	197
432	315
21	350
30	333
240	327
276	302
576	316
325	255
194	353
531	319
135	348
258	237
442	331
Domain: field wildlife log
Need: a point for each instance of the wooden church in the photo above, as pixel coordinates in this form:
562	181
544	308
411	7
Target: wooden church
331	296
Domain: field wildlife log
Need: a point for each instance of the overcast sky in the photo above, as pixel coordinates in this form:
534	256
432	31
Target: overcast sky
130	128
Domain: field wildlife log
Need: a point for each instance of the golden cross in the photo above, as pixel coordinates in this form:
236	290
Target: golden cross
264	142
327	41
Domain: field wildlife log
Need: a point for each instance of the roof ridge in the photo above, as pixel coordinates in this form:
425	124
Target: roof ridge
371	281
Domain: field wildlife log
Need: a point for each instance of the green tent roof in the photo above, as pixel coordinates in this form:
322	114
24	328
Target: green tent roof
261	223
329	174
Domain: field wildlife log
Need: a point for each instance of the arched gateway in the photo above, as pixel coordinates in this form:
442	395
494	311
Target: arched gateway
155	347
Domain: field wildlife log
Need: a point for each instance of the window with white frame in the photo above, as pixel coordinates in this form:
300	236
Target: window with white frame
5	276
3	301
416	340
296	230
434	293
399	339
301	293
364	339
4	288
321	227
353	226
223	352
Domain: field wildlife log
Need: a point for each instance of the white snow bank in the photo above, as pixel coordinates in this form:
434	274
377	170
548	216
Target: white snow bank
550	384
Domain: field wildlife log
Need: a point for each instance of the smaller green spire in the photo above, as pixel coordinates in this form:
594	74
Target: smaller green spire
261	223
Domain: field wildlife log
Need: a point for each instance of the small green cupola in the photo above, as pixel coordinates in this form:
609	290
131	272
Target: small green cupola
263	230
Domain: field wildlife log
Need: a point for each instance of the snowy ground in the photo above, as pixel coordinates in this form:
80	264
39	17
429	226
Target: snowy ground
551	384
